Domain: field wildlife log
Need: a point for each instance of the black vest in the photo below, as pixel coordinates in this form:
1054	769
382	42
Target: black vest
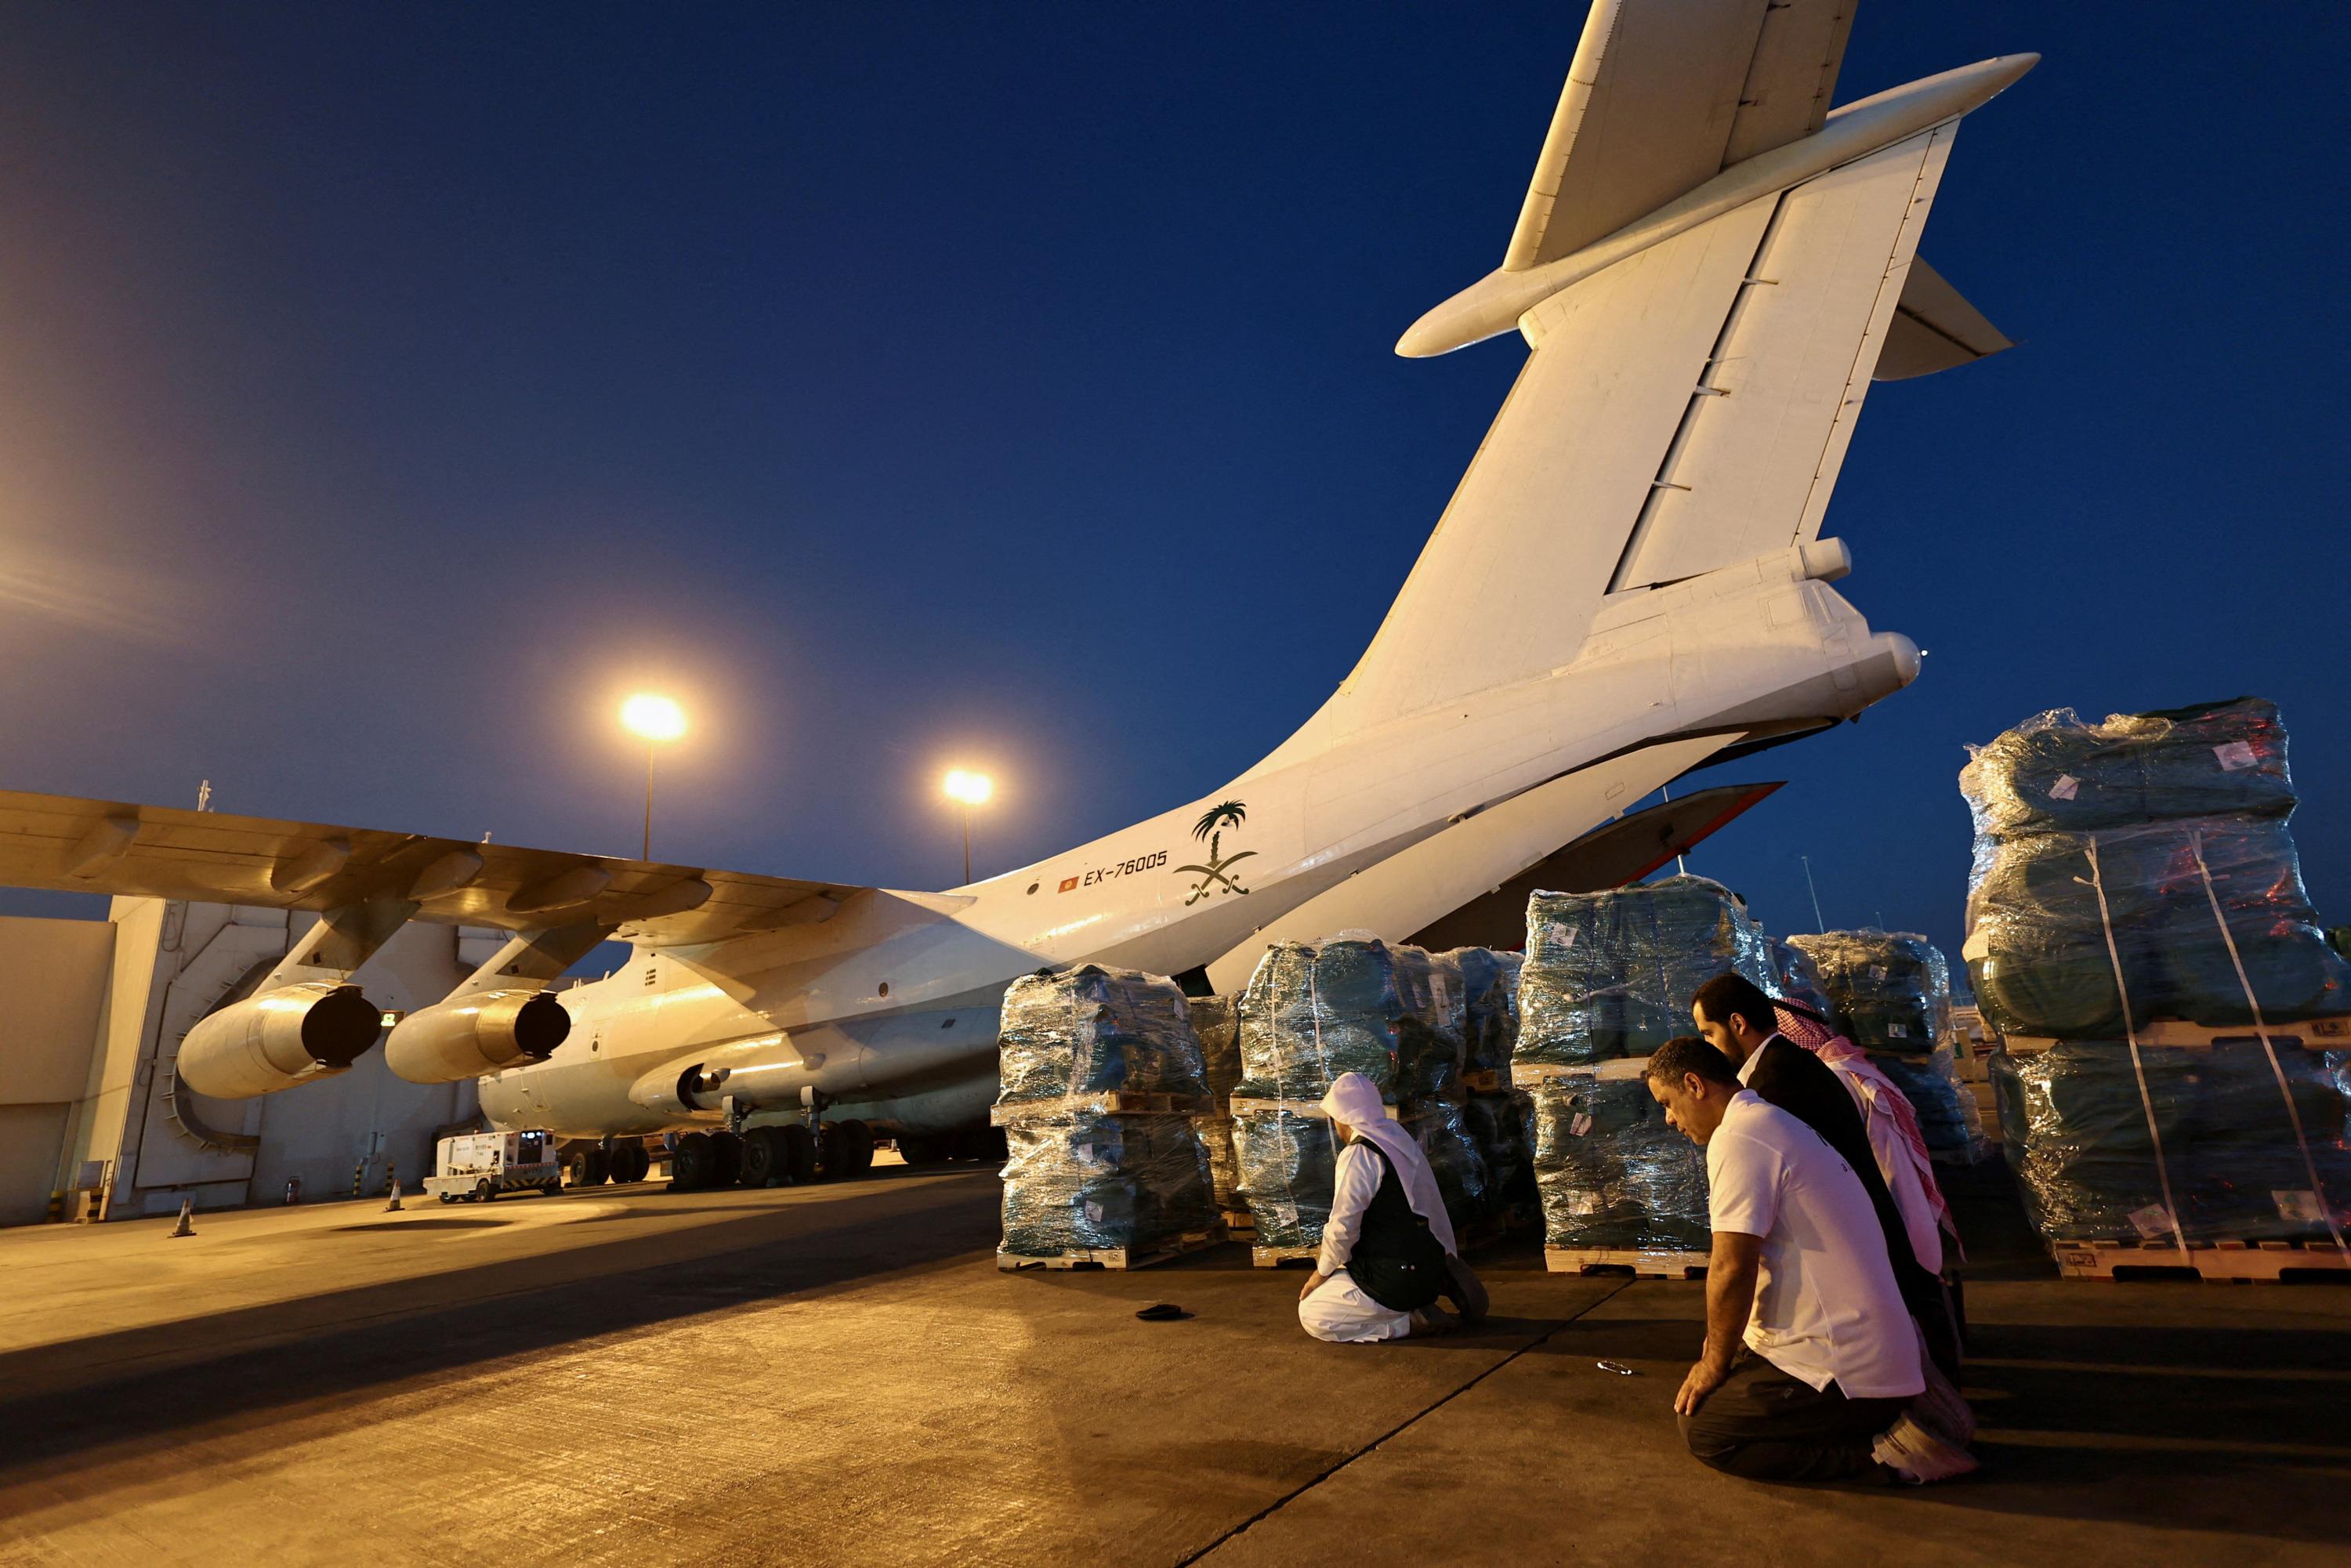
1397	1261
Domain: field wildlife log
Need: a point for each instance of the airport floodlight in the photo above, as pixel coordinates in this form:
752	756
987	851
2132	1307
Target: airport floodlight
967	790
652	719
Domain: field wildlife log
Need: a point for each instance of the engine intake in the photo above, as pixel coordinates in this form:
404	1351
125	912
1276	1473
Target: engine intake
485	1032
279	1039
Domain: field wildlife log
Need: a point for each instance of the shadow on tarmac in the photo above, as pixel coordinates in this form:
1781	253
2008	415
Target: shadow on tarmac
142	1387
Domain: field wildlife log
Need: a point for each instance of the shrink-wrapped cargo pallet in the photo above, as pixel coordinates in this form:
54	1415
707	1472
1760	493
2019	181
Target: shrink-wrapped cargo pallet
1797	979
2141	868
1217	1022
1611	975
1399	1016
1489	989
2086	1147
1095	1181
1887	990
1612	1174
1314	1010
1101	1074
2138	931
1095	1030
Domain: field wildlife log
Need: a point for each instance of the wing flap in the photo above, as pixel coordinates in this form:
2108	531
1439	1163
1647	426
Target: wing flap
67	843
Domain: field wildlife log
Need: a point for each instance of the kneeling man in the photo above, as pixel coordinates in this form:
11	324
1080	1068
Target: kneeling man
1809	1356
1388	1250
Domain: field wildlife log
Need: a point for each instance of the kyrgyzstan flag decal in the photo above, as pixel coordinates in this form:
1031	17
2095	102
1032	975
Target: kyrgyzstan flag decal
1068	884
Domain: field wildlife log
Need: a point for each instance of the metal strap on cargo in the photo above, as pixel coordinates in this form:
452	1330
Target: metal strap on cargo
2285	1092
2130	1032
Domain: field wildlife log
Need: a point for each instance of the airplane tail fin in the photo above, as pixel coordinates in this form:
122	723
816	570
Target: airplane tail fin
1691	384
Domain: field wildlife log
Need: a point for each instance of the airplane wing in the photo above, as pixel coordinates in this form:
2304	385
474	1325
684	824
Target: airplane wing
1662	97
62	842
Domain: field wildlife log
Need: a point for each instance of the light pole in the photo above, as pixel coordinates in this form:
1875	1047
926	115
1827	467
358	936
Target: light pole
652	719
967	790
1815	892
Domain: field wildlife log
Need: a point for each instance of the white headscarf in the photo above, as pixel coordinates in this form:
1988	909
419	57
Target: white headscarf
1354	1101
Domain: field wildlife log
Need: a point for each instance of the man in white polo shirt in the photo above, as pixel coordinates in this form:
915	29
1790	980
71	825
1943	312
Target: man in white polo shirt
1809	1356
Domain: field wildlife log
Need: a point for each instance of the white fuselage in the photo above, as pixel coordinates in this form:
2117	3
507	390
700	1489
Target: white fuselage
888	1010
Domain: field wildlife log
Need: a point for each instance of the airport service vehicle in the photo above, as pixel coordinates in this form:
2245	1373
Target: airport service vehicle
1631	581
479	1166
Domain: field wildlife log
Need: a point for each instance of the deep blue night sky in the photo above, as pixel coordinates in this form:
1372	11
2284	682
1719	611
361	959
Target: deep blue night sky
385	390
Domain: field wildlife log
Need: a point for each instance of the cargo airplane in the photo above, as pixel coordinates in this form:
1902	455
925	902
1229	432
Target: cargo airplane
1709	269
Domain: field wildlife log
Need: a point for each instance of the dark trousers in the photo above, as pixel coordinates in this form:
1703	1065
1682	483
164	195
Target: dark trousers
1764	1426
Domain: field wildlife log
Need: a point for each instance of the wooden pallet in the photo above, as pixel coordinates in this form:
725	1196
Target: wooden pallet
1309	1108
2310	1034
1644	1265
1486	1079
2242	1261
1239	1223
1109	1103
1528	1074
1113	1257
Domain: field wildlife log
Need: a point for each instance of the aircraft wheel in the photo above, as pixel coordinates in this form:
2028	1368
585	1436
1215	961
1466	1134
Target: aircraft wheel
859	1137
799	1154
726	1158
979	1144
758	1157
690	1168
599	1167
925	1148
630	1162
832	1150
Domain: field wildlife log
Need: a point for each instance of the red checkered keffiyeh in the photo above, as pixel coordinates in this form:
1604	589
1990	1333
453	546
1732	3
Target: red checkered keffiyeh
1841	1053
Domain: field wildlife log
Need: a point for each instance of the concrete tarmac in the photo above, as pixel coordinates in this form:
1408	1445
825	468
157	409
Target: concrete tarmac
839	1375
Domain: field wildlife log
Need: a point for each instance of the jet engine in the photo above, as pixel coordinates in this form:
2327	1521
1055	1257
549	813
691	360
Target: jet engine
277	1039
483	1033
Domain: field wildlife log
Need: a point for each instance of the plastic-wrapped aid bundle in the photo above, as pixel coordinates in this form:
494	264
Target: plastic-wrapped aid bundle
2077	1130
2108	846
1489	986
1433	1028
1890	990
2052	915
1094	1030
1442	1128
1217	1024
1501	1125
1611	1173
1611	973
2053	773
1797	978
1288	1163
1079	1181
1313	1011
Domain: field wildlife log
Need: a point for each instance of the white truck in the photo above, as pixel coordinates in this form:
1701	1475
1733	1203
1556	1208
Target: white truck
479	1166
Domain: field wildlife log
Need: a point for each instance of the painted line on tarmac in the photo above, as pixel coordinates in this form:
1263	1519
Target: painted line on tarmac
1277	1504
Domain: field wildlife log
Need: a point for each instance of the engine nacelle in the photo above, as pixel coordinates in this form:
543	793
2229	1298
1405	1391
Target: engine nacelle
279	1039
483	1033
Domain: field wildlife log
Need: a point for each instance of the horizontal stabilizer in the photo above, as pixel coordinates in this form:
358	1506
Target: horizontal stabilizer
1934	328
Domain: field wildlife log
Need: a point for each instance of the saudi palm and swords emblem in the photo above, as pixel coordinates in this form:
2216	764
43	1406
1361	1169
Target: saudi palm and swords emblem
1218	873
